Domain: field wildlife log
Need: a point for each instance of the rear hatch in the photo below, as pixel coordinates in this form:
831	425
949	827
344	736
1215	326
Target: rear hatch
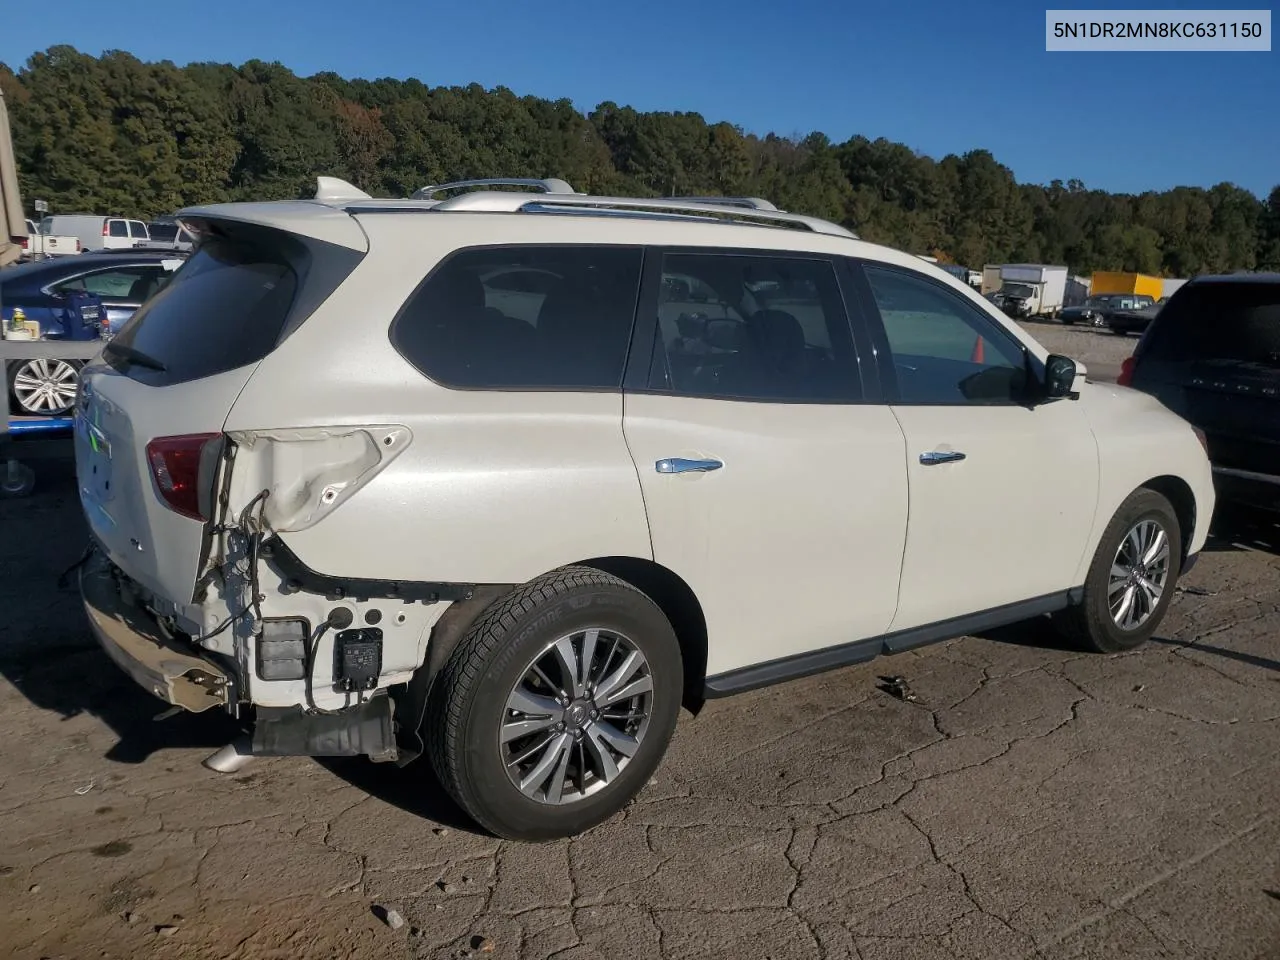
151	409
1212	355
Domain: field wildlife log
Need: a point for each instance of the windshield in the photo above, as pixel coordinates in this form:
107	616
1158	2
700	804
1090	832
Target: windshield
1020	290
1220	321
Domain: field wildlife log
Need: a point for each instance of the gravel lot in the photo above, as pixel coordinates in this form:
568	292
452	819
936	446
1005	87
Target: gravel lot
1033	802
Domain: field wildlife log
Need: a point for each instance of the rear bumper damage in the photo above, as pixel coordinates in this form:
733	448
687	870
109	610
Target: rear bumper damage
175	671
168	668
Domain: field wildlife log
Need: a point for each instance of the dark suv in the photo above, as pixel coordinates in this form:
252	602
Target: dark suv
1212	355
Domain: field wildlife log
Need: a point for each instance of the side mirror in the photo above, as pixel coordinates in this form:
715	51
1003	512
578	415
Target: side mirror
1059	377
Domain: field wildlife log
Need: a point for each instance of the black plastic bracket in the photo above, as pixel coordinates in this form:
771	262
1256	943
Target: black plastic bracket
299	577
364	730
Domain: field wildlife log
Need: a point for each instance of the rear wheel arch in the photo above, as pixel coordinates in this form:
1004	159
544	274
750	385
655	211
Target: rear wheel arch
678	603
666	589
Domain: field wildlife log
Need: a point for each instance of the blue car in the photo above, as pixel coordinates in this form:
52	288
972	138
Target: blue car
74	298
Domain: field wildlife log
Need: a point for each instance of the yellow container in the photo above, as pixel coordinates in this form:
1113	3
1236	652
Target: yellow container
1116	282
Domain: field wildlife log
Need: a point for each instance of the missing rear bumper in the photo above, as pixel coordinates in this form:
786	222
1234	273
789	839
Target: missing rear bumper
172	671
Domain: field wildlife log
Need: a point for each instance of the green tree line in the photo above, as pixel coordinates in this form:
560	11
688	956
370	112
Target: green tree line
114	134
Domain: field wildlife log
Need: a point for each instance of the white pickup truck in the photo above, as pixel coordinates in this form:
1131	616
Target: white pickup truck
39	245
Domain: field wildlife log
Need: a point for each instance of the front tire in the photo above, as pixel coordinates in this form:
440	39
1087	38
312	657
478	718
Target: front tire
1131	580
557	706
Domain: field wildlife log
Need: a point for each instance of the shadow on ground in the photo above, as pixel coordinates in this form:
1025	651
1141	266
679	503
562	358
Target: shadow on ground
1244	528
415	789
46	650
1251	659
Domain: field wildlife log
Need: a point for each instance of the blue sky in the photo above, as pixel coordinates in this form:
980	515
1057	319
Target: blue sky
941	77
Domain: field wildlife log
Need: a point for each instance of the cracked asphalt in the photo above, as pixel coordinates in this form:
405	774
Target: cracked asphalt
1027	801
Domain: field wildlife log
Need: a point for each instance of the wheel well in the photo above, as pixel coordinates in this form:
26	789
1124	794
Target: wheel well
677	601
1179	495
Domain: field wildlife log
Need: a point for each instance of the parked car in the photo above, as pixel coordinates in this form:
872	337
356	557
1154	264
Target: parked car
97	233
1212	355
50	292
338	491
1097	309
1125	321
168	234
37	246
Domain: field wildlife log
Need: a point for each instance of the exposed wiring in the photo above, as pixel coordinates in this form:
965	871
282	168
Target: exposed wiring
314	649
254	531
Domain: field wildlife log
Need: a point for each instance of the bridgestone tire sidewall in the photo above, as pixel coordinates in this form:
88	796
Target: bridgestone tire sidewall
1105	635
500	804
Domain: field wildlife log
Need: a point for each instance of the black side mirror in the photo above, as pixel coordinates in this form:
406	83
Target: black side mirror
1059	377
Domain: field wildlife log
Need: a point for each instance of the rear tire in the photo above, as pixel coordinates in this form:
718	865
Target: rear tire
525	765
1130	583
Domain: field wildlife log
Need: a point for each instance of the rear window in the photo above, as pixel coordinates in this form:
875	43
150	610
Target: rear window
1219	321
224	308
117	228
164	232
512	318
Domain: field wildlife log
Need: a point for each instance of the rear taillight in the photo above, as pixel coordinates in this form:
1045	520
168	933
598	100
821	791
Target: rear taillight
1126	372
182	468
106	229
77	244
24	243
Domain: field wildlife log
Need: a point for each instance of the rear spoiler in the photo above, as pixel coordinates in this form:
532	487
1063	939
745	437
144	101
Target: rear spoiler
303	218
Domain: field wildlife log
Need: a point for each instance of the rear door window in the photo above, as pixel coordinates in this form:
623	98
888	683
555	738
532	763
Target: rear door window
117	228
524	318
138	230
757	328
225	308
1235	321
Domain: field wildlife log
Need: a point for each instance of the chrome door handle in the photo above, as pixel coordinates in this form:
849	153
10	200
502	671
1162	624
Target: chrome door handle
933	457
680	465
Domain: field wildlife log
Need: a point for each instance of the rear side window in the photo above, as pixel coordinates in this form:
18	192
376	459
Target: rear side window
1218	321
512	318
224	308
757	328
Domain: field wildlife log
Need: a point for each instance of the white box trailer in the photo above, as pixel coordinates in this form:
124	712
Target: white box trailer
1168	285
1034	289
991	279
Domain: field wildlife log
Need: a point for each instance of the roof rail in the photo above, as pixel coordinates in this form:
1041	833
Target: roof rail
550	185
497	202
751	203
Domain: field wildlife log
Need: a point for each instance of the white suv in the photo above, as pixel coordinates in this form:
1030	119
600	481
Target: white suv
507	477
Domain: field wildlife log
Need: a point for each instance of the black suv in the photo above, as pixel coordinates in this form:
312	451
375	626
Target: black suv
1212	355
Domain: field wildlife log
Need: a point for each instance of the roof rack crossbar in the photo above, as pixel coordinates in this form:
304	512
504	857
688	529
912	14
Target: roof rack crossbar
549	185
494	202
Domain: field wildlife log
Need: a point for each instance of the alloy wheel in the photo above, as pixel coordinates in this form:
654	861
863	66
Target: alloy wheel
1139	575
577	716
45	387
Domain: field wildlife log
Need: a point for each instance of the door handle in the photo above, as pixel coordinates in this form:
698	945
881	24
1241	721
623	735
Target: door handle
681	465
933	457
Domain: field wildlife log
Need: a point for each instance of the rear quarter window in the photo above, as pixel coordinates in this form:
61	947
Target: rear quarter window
523	318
